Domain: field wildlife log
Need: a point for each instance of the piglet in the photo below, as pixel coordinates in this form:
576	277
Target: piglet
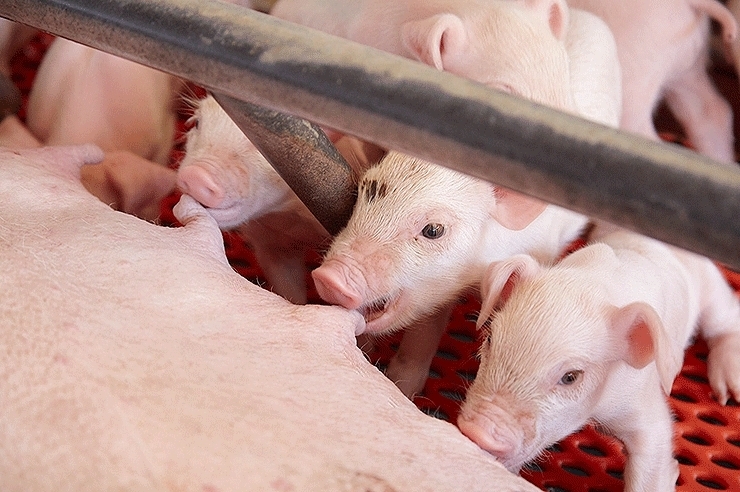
663	49
600	337
123	180
135	358
82	95
225	172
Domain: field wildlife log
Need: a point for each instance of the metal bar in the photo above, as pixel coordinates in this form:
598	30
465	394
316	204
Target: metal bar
651	187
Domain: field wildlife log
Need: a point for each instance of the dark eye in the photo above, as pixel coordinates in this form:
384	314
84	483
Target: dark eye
570	377
433	231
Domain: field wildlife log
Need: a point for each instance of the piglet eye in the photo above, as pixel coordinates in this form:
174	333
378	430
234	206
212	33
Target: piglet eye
433	231
571	377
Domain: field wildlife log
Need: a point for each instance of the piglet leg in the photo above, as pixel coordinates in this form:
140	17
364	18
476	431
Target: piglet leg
129	183
284	270
648	439
723	366
720	326
15	135
409	368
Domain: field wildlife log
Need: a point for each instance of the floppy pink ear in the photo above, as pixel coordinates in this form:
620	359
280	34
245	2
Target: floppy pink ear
514	210
500	279
643	338
556	13
434	39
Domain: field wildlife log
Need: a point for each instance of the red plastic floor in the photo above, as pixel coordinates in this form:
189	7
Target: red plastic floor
707	437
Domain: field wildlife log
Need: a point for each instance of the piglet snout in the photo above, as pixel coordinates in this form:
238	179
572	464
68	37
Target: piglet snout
481	434
479	431
332	286
493	429
199	183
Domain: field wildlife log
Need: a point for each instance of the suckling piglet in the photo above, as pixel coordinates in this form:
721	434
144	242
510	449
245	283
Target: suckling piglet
663	47
226	173
600	336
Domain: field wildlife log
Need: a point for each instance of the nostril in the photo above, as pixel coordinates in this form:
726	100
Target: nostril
332	288
199	183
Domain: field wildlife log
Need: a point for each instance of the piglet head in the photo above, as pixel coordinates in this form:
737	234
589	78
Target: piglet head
224	171
553	339
408	248
543	361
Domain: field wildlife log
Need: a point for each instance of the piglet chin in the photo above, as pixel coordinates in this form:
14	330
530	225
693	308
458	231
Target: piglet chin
229	217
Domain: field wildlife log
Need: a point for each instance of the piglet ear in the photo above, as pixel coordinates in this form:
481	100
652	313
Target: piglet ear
434	39
641	334
514	210
556	15
500	279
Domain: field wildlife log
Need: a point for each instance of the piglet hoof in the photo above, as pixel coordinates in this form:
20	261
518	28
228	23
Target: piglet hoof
723	366
193	216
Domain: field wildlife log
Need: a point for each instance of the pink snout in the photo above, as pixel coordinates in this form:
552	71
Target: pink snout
494	430
479	431
199	183
332	286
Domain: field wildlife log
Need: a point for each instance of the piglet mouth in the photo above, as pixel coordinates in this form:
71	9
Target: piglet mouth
230	216
375	309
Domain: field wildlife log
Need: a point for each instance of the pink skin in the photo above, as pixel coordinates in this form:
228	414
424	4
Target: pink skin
225	172
570	63
630	305
176	373
663	50
82	95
